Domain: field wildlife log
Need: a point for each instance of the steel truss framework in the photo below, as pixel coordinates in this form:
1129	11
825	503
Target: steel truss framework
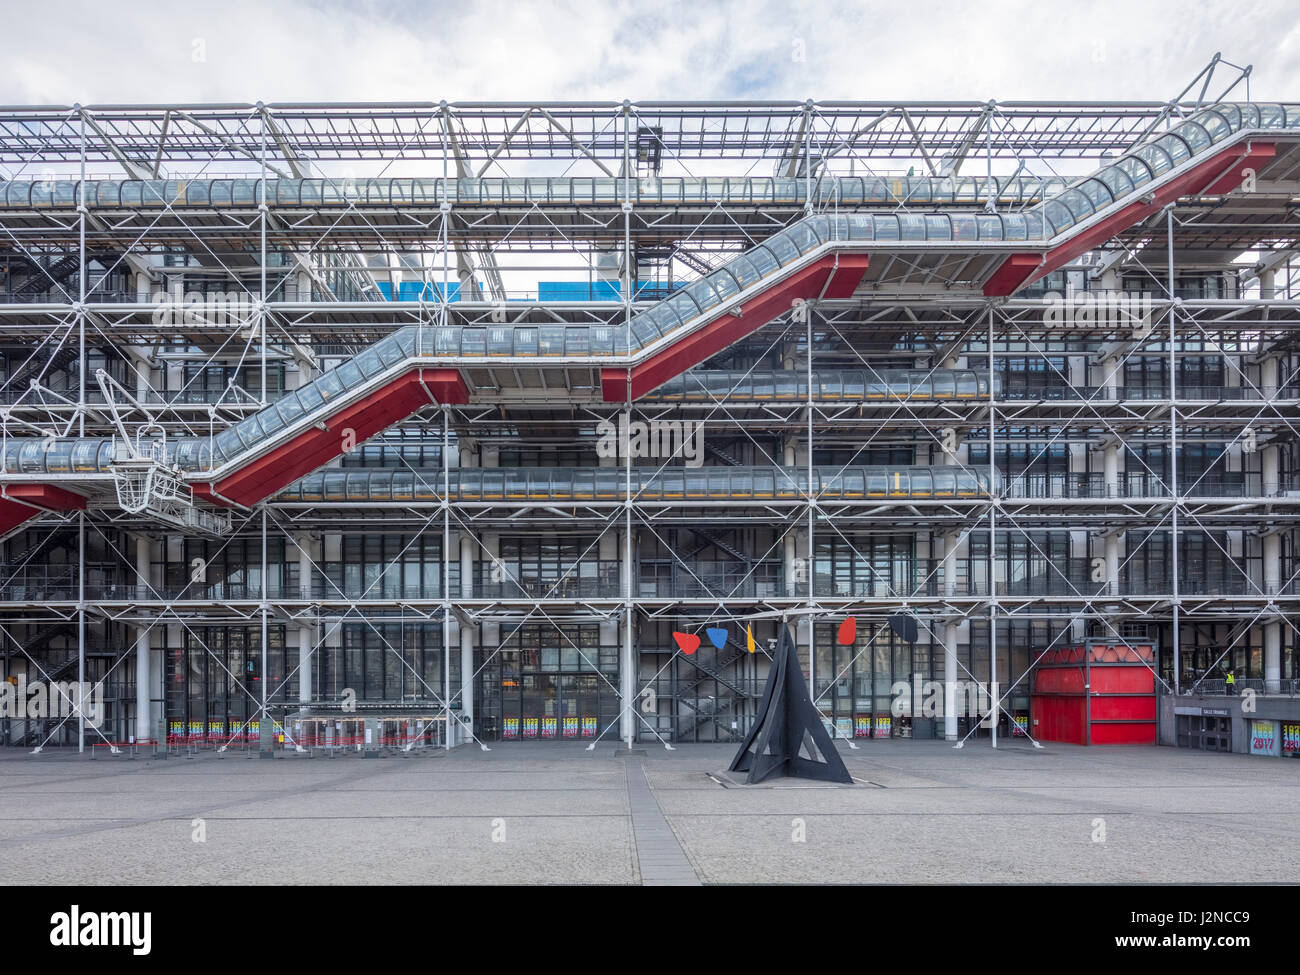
1102	449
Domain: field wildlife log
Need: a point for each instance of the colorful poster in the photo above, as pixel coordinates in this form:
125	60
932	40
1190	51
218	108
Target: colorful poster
216	730
843	727
884	725
530	727
588	727
1021	727
1263	738
1290	738
862	726
570	727
510	728
548	727
196	729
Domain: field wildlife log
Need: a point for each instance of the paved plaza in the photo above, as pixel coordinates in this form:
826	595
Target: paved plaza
555	813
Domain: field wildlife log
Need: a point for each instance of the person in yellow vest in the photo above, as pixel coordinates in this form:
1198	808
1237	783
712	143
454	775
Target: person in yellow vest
1230	682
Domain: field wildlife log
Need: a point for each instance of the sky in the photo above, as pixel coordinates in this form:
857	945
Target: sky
244	51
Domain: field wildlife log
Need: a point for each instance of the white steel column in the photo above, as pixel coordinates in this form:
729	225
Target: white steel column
627	676
467	545
448	721
1267	284
1268	454
1110	377
1272	552
1271	486
993	546
306	631
143	684
950	681
628	672
950	543
81	431
1174	490
1272	657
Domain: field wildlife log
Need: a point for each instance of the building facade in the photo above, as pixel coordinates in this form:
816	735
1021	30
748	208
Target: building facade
434	422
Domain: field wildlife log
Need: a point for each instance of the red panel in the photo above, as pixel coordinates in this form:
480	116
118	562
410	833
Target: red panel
1011	274
26	501
312	449
1217	170
1256	156
847	276
1063	655
1059	680
1123	680
1059	719
13	514
720	333
1141	708
613	385
1099	233
46	496
1135	733
446	385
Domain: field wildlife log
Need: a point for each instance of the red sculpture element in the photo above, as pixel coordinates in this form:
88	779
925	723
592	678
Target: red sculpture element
848	631
688	642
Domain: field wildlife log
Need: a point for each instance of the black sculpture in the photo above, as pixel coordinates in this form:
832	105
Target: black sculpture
788	737
904	626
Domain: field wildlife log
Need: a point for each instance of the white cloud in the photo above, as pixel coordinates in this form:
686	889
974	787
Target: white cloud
296	50
504	50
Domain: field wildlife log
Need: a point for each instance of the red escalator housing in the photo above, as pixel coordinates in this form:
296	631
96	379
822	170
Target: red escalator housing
315	447
1221	173
22	502
833	276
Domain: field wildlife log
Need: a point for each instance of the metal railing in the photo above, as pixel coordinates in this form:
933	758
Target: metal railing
1218	687
1080	485
1032	392
714	579
584	580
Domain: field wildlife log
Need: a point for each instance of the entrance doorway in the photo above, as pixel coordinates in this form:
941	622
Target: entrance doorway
551	706
1207	732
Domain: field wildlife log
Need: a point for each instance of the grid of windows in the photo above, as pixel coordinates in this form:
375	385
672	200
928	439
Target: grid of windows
546	681
213	679
396	663
1023	450
387	566
866	566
